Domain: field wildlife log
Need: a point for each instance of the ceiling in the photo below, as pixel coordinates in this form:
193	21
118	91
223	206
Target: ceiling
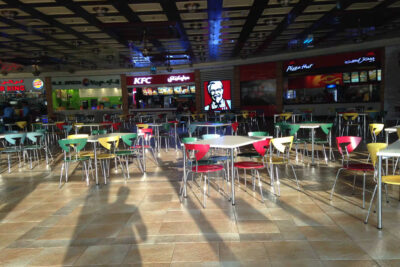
104	34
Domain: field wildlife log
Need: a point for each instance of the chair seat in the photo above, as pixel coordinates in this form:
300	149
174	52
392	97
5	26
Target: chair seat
75	159
203	162
249	155
207	168
32	147
86	154
125	152
105	156
391	179
359	167
248	165
321	142
218	158
140	146
276	160
11	150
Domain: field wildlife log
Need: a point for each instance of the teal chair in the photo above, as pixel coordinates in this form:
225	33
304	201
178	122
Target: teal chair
14	145
130	141
67	129
165	134
98	132
36	143
292	130
71	149
327	130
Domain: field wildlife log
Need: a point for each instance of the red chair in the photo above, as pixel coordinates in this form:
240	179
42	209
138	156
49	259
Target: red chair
235	126
199	151
145	134
350	143
116	126
261	147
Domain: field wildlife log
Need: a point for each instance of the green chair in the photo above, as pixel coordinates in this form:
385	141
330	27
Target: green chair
14	145
165	134
98	132
292	130
326	129
130	141
210	136
71	149
37	143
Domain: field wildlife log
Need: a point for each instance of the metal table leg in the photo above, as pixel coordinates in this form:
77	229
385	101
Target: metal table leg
312	146
379	208
95	163
232	178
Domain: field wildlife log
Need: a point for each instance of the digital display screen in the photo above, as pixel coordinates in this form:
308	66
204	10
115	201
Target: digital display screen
354	77
192	89
379	76
217	95
363	76
165	90
346	77
372	75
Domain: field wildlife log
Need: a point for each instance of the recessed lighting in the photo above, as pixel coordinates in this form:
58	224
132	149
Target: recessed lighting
192	7
100	11
9	14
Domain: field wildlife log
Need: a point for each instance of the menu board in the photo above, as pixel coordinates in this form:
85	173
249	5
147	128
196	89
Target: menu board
192	89
372	75
165	90
363	76
379	76
178	90
346	77
354	77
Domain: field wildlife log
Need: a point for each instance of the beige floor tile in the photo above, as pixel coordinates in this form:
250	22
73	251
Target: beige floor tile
242	251
152	253
339	250
61	256
257	226
16	228
321	233
296	263
293	250
386	248
18	256
107	254
196	252
350	263
388	263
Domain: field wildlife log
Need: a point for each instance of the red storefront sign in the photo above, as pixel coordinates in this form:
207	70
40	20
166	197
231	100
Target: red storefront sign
262	71
315	81
344	59
12	85
160	79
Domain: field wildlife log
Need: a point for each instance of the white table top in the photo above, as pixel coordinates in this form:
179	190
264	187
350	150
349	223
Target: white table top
155	124
95	138
393	150
231	141
212	124
93	124
309	125
392	129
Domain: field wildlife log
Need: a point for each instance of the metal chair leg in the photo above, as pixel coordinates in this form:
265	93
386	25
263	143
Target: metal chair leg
370	204
334	184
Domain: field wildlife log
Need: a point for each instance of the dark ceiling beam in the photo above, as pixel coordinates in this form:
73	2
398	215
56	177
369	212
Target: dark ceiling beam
289	19
255	13
38	15
378	14
173	15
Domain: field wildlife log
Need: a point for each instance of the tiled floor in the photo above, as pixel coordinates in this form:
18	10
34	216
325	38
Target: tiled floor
143	223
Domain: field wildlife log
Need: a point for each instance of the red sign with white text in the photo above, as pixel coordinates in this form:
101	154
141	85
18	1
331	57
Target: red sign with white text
315	81
12	85
160	79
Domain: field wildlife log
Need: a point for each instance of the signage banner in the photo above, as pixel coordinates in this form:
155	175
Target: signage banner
160	79
88	82
315	81
21	84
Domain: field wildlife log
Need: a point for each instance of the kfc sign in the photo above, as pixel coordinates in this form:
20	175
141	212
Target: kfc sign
142	80
160	79
178	78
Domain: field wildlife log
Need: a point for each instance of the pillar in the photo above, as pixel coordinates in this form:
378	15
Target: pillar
125	108
199	90
49	96
236	88
279	86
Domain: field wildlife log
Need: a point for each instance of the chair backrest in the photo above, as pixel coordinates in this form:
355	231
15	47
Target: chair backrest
142	125
351	141
210	136
286	115
373	149
350	115
398	133
167	126
13	138
67	128
191	128
77	136
262	146
326	128
60	125
235	126
77	144
101	131
293	128
110	142
146	131
128	139
259	133
116	126
199	150
376	128
35	137
37	125
21	124
281	143
188	140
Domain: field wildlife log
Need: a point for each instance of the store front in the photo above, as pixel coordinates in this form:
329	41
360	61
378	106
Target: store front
161	92
16	91
334	83
87	95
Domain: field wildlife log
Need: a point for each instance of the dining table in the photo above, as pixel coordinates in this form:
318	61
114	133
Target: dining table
91	126
230	143
392	150
208	125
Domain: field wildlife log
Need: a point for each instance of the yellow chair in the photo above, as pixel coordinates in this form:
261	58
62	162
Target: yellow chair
81	136
21	124
77	125
285	116
110	144
351	119
373	149
142	125
283	145
375	129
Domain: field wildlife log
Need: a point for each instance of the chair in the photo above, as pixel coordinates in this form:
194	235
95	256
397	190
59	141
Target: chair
99	132
67	129
350	143
326	129
15	142
145	135
351	120
166	135
71	149
293	130
285	116
375	129
283	145
261	147
253	154
21	125
37	144
195	153
130	141
235	126
373	149
110	144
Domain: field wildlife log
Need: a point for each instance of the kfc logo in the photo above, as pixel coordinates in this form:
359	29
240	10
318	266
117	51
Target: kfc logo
142	80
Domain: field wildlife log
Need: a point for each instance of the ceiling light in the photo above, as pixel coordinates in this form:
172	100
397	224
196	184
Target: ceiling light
195	26
49	31
270	21
146	51
100	10
284	2
192	7
9	14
